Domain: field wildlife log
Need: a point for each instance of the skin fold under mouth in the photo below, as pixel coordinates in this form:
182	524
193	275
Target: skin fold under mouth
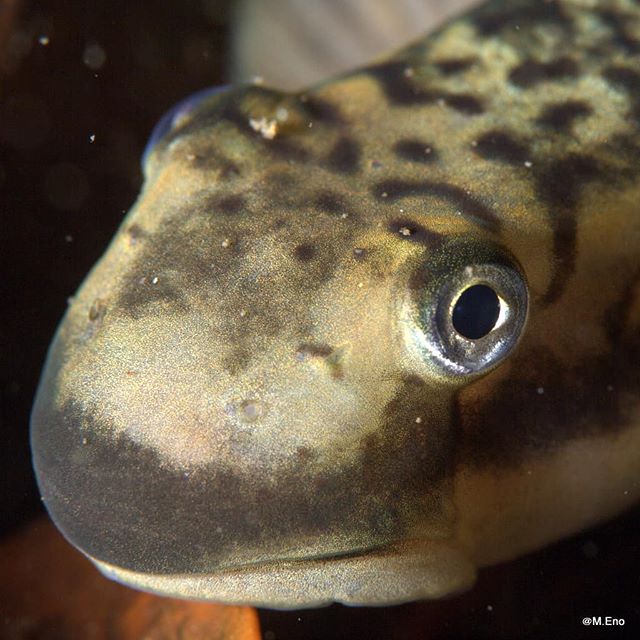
391	574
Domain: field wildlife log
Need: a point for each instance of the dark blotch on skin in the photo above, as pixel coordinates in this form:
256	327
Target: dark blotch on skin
577	402
415	151
628	80
406	229
305	252
427	443
401	471
398	88
559	185
322	111
315	349
618	23
464	103
345	156
532	72
496	17
502	146
229	204
624	78
141	293
452	66
135	233
468	206
402	90
287	149
237	361
619	314
561	116
331	203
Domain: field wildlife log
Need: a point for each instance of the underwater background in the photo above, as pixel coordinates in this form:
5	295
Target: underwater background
81	85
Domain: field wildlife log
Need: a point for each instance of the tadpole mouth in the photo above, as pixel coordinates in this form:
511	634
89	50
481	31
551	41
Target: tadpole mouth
385	575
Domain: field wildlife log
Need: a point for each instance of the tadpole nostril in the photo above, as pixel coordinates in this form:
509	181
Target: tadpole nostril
251	410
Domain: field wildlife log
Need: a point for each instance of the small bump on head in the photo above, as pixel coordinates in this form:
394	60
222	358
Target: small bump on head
406	229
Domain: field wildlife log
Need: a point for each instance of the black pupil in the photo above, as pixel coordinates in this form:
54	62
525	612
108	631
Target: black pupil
476	312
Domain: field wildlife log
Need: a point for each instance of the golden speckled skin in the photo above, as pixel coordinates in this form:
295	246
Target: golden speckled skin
247	400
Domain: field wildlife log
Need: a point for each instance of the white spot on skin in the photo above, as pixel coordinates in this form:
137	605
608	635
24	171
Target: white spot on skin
404	231
418	420
92	138
154	280
226	243
540	391
474	143
282	114
528	164
268	129
408	72
489	607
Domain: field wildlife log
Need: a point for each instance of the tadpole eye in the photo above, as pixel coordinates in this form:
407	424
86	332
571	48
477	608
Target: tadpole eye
476	311
176	116
472	310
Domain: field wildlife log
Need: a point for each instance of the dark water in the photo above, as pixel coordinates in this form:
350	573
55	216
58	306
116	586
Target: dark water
81	85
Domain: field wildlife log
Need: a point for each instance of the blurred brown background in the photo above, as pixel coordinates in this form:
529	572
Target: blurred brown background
81	85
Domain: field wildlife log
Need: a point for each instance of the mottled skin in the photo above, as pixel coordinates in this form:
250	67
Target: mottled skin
241	404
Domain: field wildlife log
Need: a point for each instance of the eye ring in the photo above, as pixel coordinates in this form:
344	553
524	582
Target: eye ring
439	285
465	354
